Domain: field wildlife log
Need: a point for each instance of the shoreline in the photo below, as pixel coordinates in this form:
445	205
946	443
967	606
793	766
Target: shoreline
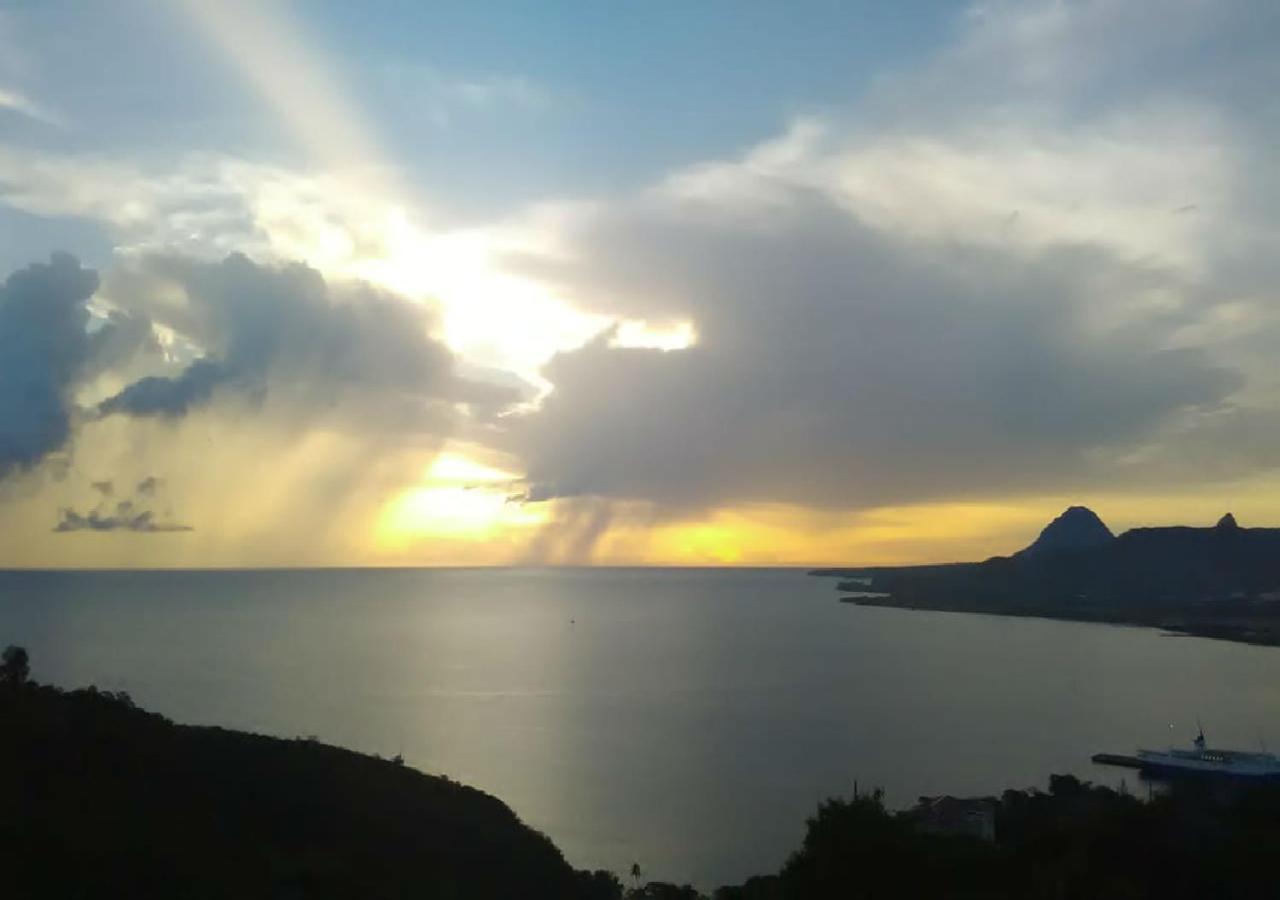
1263	633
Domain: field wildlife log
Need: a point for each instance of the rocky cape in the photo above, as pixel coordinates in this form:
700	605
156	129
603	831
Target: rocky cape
1222	581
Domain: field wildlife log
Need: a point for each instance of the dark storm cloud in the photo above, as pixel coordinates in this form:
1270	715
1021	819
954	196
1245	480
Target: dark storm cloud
50	344
283	329
160	396
44	349
840	365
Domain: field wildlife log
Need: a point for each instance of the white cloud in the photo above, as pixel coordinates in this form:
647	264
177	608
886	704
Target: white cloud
15	101
995	281
1124	184
208	206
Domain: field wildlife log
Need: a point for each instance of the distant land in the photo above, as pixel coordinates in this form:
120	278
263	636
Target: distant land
1222	581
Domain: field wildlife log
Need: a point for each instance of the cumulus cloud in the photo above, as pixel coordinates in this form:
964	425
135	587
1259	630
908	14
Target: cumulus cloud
987	291
342	352
322	347
207	207
278	395
838	367
45	347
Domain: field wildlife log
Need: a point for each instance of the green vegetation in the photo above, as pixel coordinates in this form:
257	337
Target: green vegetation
104	799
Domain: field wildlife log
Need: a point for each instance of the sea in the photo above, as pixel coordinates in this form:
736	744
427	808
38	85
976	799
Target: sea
687	720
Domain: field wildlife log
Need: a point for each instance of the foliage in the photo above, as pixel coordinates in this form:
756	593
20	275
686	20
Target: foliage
1200	839
854	848
100	794
15	666
599	885
102	798
661	890
759	887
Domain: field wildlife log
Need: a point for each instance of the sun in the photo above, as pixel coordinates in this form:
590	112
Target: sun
459	499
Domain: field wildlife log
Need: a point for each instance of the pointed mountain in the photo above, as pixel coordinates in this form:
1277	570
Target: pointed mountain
1227	523
1078	528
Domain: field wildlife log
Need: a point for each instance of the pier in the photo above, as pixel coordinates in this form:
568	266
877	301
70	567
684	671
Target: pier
1118	759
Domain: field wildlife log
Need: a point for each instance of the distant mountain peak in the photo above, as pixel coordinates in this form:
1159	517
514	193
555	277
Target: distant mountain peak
1076	529
1227	523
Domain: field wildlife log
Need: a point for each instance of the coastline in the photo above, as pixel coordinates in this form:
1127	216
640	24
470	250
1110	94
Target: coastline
1259	631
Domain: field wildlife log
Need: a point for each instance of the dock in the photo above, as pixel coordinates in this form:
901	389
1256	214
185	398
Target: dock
1118	759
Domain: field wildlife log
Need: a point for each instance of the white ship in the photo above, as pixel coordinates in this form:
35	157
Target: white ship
1206	761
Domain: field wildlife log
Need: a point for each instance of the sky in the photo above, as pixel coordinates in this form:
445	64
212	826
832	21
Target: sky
402	283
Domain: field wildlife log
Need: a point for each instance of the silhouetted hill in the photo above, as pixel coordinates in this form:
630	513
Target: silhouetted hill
101	799
1222	581
1079	528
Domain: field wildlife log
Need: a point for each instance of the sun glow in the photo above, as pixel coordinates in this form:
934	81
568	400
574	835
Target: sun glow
490	317
362	221
634	333
459	499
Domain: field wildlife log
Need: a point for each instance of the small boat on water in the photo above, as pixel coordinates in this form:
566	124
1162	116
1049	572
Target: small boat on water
1201	760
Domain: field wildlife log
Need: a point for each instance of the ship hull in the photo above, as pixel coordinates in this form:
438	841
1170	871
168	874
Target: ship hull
1169	764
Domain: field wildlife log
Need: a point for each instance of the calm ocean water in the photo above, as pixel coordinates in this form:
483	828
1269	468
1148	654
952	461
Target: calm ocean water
686	719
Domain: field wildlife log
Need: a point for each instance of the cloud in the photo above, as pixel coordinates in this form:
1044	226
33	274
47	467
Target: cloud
1042	262
208	207
159	396
123	517
837	367
279	396
45	347
205	206
977	294
18	102
321	348
134	512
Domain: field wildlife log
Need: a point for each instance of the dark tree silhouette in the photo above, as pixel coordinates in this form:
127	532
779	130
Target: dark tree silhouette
101	798
661	890
15	666
599	885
